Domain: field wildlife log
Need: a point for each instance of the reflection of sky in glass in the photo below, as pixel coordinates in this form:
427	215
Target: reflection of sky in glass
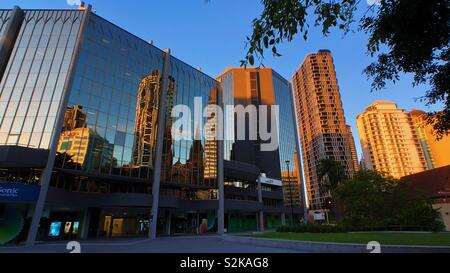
228	100
287	141
4	15
111	65
31	89
100	132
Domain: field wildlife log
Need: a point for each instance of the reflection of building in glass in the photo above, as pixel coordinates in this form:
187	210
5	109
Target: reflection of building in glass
146	121
76	143
74	118
167	157
36	67
292	185
291	190
210	165
74	140
196	161
323	131
389	140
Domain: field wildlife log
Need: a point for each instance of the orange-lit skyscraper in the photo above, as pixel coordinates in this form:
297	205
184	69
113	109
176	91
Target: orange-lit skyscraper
264	87
323	131
389	140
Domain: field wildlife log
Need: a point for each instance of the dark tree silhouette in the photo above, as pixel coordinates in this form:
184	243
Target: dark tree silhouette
405	36
331	172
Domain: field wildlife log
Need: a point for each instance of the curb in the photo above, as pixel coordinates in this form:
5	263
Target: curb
315	247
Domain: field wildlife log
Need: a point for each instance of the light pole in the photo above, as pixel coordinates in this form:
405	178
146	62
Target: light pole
290	192
260	200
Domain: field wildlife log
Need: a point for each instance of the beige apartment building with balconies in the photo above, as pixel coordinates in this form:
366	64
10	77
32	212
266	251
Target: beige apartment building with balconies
436	150
389	140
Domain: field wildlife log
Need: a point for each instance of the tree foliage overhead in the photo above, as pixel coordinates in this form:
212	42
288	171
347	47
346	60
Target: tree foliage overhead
405	37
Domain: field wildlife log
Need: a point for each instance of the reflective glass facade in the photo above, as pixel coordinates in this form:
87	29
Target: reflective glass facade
227	83
4	17
292	174
104	122
263	86
111	120
248	88
35	77
194	161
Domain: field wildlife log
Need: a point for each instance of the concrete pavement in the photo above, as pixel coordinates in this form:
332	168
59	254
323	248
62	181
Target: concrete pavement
198	244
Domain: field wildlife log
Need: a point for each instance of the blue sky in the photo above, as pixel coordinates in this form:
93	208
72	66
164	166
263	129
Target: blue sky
211	35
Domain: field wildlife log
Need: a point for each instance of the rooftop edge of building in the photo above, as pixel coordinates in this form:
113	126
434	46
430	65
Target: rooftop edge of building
230	68
320	51
89	8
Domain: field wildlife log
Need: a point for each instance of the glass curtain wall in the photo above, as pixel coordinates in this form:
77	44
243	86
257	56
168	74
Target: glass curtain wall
286	136
4	17
110	122
193	159
34	80
229	124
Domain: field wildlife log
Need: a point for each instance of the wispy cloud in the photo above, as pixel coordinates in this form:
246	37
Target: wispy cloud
73	2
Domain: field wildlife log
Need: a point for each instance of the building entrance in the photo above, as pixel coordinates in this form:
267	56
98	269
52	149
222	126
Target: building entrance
124	223
187	223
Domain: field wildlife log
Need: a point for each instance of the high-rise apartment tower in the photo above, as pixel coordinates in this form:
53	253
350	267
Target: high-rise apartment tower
323	131
390	141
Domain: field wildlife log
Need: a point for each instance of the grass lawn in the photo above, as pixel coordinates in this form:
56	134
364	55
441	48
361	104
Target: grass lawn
417	239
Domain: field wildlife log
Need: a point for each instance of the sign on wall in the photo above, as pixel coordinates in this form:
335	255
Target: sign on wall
270	181
16	192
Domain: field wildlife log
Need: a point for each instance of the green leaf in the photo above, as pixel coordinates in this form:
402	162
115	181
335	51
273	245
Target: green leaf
266	42
251	60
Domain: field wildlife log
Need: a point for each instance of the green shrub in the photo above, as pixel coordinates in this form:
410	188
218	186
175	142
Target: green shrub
312	228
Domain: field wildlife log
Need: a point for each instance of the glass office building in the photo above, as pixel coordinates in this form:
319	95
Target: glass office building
77	84
291	171
35	76
279	170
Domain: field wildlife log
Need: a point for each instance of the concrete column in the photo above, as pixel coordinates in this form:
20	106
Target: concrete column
261	212
283	219
85	224
198	223
168	223
101	224
47	173
9	37
220	175
159	146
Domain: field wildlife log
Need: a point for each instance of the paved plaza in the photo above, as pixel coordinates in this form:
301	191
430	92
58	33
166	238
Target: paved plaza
209	244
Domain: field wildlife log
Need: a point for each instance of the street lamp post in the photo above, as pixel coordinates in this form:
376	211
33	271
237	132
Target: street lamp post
290	192
260	200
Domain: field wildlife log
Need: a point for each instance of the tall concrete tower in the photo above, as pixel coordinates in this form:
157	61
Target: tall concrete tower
323	131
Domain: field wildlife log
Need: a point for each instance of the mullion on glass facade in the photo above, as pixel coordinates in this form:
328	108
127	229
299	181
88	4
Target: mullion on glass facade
4	17
33	79
111	106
